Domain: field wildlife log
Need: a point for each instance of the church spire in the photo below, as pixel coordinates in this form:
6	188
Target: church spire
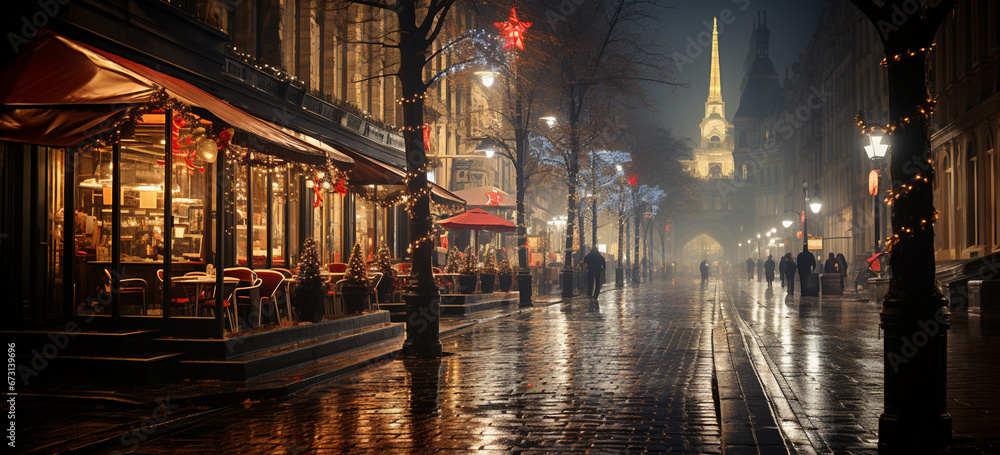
715	86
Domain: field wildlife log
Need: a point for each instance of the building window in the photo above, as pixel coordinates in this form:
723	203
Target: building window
972	196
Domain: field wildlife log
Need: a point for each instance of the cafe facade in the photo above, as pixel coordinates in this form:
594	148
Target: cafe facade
118	177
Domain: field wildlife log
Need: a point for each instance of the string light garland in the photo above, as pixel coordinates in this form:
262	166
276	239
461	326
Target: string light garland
921	113
907	52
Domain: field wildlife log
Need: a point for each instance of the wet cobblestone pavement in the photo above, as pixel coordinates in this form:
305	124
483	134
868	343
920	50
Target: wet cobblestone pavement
826	355
631	374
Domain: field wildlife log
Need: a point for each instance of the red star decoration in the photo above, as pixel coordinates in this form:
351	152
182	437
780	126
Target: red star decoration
494	198
513	31
633	179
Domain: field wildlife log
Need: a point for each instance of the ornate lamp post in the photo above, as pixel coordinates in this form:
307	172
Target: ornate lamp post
813	203
876	150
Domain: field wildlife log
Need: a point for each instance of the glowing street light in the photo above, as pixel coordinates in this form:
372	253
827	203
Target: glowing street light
549	120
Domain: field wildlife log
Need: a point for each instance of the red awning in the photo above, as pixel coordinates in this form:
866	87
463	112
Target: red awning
478	220
59	92
370	171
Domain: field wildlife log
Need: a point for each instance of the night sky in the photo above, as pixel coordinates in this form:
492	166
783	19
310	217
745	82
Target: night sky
792	24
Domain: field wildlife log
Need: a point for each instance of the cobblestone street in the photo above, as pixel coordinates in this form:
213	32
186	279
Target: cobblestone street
825	354
633	373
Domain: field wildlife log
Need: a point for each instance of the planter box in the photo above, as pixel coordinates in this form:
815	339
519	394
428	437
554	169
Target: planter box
832	284
466	284
504	282
310	301
810	285
877	289
355	298
487	283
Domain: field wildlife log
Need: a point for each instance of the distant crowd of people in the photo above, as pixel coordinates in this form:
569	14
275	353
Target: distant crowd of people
804	264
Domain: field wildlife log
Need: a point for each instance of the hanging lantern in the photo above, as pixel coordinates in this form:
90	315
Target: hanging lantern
208	150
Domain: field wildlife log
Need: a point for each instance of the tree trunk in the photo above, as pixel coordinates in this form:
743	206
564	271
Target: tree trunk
574	144
421	296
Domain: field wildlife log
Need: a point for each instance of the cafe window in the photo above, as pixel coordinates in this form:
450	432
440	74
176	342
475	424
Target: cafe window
328	226
141	230
259	194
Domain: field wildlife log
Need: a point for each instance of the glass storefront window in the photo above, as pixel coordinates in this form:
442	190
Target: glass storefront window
278	204
240	194
259	194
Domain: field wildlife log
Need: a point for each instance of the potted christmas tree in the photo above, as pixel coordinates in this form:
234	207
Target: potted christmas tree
387	285
488	272
467	279
311	289
505	272
453	263
354	289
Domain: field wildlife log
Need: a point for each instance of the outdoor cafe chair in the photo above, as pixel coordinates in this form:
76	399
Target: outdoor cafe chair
271	281
227	307
128	286
175	302
248	291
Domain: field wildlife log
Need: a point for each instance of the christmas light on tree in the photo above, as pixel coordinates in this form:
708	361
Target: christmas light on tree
355	273
469	263
309	274
384	262
504	263
453	263
489	262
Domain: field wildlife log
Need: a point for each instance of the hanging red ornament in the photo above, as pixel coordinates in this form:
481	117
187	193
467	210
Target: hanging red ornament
225	136
340	188
319	196
427	138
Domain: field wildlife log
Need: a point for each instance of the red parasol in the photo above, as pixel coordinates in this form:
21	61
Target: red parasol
478	220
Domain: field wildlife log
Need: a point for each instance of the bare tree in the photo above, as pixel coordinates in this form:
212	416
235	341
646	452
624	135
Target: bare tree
600	48
417	26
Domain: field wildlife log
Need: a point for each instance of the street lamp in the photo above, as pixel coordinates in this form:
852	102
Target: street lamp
488	77
787	223
876	152
815	204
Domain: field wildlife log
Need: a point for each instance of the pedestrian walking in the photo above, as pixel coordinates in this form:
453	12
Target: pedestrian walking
750	265
843	265
595	271
760	269
781	270
704	271
806	263
790	268
831	265
769	270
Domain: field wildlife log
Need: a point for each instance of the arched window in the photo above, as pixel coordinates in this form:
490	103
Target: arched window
971	194
715	139
947	203
743	172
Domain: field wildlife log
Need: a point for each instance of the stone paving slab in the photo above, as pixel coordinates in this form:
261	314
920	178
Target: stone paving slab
630	374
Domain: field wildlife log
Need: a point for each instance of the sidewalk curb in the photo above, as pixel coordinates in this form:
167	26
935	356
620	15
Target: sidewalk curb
746	412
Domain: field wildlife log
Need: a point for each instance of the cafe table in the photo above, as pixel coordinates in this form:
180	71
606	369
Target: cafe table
199	282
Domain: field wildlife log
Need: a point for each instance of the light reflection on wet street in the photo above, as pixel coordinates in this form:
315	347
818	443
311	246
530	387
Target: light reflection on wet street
827	352
631	374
